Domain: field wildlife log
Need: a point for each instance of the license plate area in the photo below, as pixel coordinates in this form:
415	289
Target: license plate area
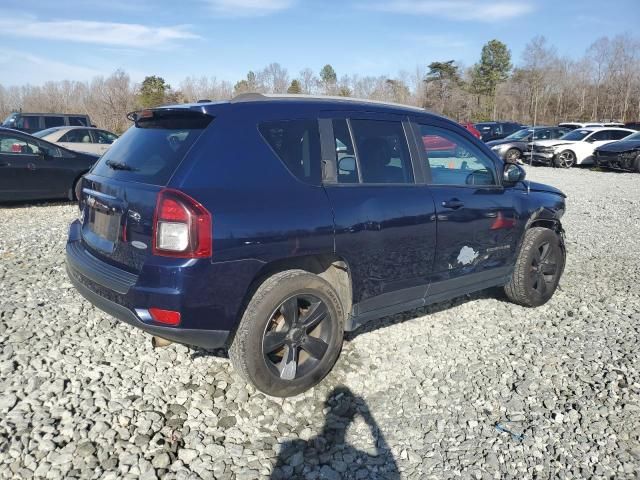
104	225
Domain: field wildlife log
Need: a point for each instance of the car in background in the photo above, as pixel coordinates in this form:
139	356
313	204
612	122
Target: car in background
79	139
512	148
34	169
623	154
34	122
472	129
574	125
576	147
496	130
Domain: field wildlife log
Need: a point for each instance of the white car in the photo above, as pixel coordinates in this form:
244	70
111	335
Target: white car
80	139
577	146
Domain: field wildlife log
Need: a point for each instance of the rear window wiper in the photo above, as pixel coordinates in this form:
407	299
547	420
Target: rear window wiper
120	166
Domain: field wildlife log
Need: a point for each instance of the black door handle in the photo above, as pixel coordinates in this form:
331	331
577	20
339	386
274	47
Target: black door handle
454	204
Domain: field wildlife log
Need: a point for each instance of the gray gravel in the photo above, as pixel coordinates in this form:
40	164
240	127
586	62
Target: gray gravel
83	396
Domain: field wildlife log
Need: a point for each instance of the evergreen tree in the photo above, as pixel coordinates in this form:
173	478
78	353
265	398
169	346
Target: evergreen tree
294	87
153	91
493	69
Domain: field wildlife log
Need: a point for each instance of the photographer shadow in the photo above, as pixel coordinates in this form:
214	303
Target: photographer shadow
328	456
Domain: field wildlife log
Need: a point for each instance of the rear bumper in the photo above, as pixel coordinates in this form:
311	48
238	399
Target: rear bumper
115	292
199	338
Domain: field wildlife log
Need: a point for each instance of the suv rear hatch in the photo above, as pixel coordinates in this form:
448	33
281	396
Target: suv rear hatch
118	197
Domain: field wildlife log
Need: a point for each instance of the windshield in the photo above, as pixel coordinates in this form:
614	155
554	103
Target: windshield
520	134
576	135
44	133
635	136
9	120
151	150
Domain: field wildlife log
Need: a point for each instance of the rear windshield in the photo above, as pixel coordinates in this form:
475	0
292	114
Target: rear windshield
151	150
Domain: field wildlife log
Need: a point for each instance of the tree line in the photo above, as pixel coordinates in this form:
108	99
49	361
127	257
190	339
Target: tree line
543	87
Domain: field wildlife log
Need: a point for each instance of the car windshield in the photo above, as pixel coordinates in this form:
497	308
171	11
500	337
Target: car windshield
575	135
44	133
520	134
635	136
10	119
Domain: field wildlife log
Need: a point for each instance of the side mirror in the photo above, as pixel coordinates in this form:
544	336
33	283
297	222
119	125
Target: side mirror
347	165
513	174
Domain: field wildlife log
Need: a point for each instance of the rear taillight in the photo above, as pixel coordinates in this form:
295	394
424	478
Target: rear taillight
181	226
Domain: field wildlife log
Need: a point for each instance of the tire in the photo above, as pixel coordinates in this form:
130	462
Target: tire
281	324
538	268
512	155
636	164
565	159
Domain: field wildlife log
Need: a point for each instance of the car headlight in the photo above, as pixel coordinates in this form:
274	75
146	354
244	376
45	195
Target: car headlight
629	155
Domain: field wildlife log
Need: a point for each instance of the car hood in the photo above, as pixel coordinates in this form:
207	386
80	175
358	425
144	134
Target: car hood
553	143
542	187
620	146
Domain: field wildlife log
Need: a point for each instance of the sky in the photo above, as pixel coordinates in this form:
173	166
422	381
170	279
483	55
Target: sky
43	40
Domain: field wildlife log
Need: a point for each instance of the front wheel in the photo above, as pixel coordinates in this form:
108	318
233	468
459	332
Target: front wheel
290	335
538	268
512	155
565	159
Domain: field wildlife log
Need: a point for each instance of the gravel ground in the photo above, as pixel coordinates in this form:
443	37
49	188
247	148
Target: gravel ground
83	396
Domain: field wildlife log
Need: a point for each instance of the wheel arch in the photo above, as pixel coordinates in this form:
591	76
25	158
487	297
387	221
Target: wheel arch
330	267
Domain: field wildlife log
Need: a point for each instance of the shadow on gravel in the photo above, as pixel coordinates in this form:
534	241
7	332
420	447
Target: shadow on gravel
328	454
495	293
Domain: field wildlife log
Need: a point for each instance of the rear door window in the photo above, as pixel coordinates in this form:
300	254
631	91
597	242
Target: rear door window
297	145
619	134
78	121
152	149
382	151
77	135
53	121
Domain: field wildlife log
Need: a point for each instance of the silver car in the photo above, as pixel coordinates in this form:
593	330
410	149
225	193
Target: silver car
79	139
514	147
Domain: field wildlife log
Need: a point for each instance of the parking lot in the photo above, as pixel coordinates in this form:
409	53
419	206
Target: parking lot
474	388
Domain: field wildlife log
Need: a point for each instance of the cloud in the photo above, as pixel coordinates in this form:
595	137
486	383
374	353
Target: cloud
478	10
102	33
248	8
18	66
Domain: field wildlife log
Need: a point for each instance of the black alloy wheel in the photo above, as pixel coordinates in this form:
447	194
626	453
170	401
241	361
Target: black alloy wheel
544	269
297	336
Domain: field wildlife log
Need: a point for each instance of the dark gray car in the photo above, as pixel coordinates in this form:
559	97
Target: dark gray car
515	146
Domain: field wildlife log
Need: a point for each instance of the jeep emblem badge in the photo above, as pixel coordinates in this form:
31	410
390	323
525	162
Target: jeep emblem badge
139	245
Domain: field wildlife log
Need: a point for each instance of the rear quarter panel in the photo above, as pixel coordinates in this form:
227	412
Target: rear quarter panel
261	212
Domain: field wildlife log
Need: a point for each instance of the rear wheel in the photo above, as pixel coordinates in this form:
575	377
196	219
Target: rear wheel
512	155
290	335
565	159
538	268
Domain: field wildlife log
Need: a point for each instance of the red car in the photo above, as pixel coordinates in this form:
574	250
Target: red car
435	143
469	126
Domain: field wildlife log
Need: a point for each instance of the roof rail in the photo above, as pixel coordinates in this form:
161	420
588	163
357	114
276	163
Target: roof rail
257	97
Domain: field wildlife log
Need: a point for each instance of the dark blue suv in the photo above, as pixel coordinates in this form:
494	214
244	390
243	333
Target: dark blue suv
270	225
